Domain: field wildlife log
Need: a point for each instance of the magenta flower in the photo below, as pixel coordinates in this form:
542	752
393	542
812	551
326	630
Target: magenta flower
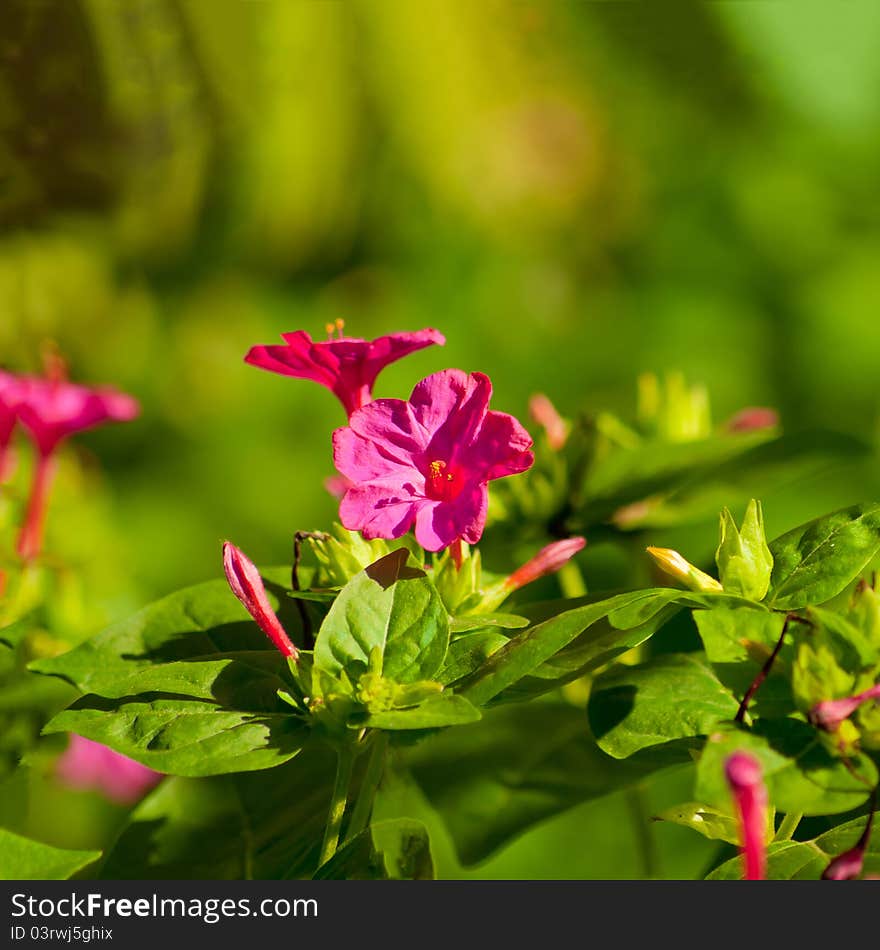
88	764
51	410
830	713
427	462
10	398
347	366
548	560
743	773
247	585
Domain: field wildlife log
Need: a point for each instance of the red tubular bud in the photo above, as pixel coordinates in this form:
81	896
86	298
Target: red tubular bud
247	585
547	561
848	866
743	773
546	415
752	419
830	713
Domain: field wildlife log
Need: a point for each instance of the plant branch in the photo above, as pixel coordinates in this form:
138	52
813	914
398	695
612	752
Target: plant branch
765	669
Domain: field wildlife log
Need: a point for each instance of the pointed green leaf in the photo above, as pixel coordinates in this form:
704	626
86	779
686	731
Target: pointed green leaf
446	709
394	608
817	560
674	696
22	859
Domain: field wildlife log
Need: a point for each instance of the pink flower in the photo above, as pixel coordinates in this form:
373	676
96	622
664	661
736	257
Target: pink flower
547	561
87	764
347	366
51	410
10	398
830	713
247	585
752	418
743	773
546	415
427	462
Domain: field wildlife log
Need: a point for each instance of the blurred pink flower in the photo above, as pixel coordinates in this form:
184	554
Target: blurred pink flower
428	461
743	773
10	398
546	415
51	410
347	366
547	561
247	585
752	418
88	764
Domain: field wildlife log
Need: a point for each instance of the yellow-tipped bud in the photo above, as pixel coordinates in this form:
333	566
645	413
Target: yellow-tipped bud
673	564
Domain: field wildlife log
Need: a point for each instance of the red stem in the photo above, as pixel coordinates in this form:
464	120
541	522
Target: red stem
30	540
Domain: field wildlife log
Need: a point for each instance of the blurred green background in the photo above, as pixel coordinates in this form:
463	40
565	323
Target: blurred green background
573	193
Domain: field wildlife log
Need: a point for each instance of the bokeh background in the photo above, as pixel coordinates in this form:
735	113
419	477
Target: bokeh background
573	193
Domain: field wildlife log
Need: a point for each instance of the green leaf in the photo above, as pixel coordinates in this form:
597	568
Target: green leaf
252	825
673	696
738	643
525	652
806	860
468	652
22	859
446	709
186	736
470	622
13	634
709	822
398	849
204	623
800	774
492	780
394	608
816	561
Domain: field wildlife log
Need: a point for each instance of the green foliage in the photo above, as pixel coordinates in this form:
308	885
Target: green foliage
24	860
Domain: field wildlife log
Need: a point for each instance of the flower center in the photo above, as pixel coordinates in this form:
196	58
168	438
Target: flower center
442	483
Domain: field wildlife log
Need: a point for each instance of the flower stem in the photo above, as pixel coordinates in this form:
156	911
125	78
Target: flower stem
764	672
364	804
344	763
788	826
30	540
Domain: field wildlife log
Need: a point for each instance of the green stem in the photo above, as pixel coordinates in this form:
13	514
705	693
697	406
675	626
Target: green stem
344	764
364	804
788	826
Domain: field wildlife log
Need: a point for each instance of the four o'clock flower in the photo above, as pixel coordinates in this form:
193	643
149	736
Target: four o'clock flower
743	773
248	587
830	713
10	398
347	366
427	462
550	559
51	410
88	764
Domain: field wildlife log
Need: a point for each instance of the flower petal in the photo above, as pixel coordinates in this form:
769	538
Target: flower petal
438	524
450	405
380	509
500	448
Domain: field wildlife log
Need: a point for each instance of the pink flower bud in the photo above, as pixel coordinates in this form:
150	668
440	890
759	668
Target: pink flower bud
830	713
547	561
545	414
752	419
848	866
247	585
743	773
